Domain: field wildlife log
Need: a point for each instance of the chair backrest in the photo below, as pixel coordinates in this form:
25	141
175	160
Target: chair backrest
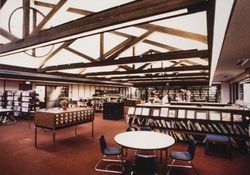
102	142
145	165
191	148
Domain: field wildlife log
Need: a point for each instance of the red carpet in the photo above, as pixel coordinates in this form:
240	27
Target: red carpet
77	155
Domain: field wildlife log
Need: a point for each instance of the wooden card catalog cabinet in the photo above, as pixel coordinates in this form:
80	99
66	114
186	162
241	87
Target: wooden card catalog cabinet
59	118
54	119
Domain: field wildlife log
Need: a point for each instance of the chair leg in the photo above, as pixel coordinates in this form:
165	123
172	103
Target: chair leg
193	167
106	169
170	166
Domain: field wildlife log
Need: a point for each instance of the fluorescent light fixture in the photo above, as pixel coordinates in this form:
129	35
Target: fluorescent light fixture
109	28
220	26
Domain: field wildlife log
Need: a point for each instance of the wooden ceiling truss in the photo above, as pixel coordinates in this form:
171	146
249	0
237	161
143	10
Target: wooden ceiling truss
181	59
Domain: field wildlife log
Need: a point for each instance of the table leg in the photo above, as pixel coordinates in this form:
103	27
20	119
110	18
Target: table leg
76	130
122	159
36	136
93	128
29	120
161	156
54	140
166	158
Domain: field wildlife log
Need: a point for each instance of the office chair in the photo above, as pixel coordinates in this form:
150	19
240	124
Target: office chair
184	156
144	165
109	151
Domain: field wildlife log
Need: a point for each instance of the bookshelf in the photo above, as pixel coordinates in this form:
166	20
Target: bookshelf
17	104
1	100
9	100
185	122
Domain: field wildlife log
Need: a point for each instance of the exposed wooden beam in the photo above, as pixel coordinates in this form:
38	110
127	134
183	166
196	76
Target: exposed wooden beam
210	27
143	66
153	70
130	44
44	4
116	15
176	32
34	20
126	67
65	44
164	46
136	59
48	17
101	46
54	77
154	43
26	18
2	2
167	79
79	11
8	35
80	54
161	76
115	49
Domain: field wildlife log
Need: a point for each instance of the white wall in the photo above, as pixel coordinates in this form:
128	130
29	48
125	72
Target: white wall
10	85
76	91
2	85
85	91
225	92
246	92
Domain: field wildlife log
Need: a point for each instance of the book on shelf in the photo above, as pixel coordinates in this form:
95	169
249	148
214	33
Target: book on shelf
156	113
164	112
171	113
226	116
237	118
138	111
131	110
181	113
201	115
223	128
145	111
190	114
215	116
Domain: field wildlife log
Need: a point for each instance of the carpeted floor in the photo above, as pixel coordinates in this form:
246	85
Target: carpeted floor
77	155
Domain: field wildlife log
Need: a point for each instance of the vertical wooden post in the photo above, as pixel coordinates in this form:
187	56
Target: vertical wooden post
26	17
34	21
101	46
